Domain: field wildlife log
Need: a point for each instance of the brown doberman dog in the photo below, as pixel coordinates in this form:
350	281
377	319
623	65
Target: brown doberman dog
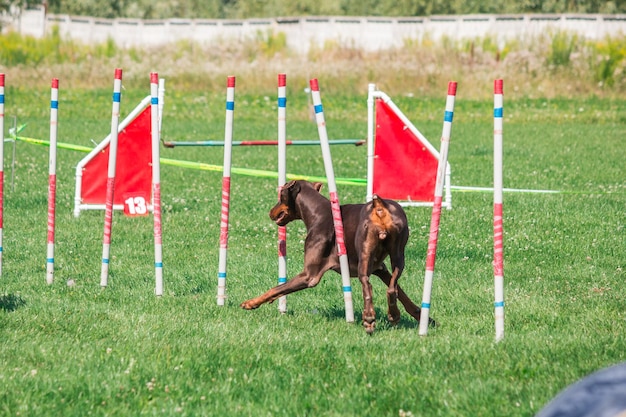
372	232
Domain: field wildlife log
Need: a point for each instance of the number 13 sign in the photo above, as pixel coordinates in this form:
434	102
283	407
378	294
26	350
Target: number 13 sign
135	205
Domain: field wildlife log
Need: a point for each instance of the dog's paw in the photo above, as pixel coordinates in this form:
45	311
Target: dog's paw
248	305
393	320
369	324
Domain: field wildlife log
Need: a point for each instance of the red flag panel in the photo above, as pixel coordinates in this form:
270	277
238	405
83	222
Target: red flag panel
404	168
133	174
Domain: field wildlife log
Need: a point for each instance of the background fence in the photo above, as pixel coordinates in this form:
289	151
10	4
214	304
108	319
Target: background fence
366	33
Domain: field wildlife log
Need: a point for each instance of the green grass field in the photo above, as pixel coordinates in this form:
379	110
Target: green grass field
82	350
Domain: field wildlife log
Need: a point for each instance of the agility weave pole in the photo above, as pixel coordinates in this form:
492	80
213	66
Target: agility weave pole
334	200
436	211
1	164
108	210
52	178
282	179
498	230
155	124
228	150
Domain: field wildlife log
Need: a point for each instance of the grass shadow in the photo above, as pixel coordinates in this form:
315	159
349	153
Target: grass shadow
406	321
11	302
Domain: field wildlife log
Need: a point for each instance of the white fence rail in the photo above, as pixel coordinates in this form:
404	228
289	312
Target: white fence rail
366	33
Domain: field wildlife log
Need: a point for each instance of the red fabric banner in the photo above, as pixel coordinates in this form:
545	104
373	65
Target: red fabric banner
133	174
404	168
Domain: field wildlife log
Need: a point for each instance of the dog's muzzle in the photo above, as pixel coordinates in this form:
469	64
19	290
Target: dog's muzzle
279	214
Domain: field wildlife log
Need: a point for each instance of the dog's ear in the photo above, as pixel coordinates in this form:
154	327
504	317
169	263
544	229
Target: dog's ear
317	186
290	188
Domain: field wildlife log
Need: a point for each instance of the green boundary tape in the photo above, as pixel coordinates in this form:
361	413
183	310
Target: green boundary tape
204	167
271	174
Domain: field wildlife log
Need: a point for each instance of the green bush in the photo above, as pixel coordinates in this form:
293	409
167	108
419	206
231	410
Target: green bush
578	64
16	49
271	43
607	59
561	47
242	9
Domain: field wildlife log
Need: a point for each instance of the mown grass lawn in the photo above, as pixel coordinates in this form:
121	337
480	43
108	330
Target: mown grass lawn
83	350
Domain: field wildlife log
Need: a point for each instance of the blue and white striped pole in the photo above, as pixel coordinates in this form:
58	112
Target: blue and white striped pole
155	127
1	164
334	201
282	179
108	209
436	212
498	230
52	178
228	150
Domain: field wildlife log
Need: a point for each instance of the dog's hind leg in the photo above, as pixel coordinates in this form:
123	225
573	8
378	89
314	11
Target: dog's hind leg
410	307
393	313
369	314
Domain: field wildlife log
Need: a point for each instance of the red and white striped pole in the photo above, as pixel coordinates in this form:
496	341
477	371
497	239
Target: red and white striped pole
436	212
334	200
52	178
228	150
1	164
108	210
498	230
282	179
156	182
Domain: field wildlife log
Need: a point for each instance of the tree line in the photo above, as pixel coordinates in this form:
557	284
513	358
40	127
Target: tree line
243	9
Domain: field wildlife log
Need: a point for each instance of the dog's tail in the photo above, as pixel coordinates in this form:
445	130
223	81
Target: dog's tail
380	216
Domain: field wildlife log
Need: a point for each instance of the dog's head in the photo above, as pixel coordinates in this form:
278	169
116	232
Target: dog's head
286	209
